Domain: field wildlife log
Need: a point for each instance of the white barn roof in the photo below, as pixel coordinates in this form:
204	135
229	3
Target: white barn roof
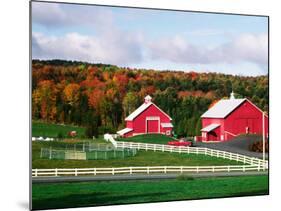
210	127
124	131
138	111
142	108
222	108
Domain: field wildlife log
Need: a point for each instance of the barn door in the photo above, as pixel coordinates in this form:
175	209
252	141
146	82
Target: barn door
152	126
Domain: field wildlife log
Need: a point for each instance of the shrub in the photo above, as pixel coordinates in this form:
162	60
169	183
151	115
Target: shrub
258	146
60	135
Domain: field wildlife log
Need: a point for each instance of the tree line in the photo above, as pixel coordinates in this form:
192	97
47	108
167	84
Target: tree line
100	96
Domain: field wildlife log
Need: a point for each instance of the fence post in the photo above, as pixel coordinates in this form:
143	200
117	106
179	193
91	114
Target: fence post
36	172
188	151
236	157
252	161
205	151
197	151
75	172
165	169
243	168
147	170
56	172
213	169
228	168
131	170
244	160
197	169
181	169
112	171
95	171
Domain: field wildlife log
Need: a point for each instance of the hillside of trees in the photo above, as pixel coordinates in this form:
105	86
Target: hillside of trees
100	96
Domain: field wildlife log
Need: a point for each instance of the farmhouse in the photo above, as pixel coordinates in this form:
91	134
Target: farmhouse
231	117
148	118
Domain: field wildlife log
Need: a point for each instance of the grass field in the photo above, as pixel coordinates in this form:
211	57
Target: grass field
143	158
149	138
52	130
45	196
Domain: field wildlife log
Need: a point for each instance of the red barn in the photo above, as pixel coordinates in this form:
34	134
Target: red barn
231	117
148	118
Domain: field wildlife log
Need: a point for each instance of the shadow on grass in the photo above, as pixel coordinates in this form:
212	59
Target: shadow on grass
105	198
93	199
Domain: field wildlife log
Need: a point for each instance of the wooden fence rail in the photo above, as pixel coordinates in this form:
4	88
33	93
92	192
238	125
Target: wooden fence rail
195	150
143	170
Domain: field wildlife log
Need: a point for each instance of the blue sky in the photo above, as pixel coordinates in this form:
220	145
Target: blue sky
156	39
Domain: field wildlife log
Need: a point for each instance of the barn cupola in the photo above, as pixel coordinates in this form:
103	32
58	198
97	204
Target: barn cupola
147	99
232	97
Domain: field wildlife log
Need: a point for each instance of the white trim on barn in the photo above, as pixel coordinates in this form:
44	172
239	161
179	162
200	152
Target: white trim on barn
166	125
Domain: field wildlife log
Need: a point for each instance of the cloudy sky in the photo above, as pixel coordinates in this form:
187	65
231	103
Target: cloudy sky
154	39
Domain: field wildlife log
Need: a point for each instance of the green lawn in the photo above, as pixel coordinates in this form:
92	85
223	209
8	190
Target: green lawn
143	158
52	130
149	138
60	195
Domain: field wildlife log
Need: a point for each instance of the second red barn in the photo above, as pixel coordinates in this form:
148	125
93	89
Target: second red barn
231	117
148	118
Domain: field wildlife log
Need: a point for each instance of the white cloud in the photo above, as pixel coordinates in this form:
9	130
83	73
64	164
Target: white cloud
244	48
115	49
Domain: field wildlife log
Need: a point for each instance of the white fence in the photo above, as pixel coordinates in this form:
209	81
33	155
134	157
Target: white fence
109	137
143	170
252	164
195	150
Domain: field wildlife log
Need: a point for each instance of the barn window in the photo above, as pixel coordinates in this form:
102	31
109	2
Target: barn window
168	132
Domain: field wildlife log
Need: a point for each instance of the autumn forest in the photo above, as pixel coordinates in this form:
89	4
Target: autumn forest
99	96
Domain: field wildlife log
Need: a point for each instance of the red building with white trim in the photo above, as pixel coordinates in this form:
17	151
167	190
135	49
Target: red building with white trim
231	117
148	118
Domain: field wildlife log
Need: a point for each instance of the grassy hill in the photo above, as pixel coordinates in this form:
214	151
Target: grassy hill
54	130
